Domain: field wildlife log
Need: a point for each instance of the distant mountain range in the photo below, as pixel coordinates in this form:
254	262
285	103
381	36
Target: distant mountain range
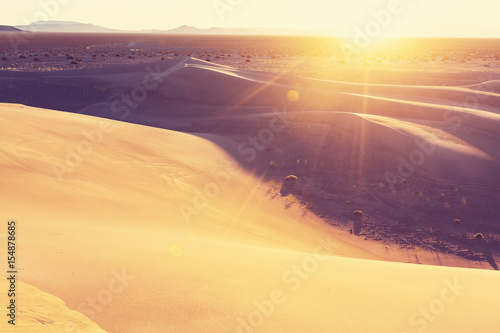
68	26
64	26
8	28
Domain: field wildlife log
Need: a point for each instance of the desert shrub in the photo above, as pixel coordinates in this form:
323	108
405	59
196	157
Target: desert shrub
356	225
74	62
457	221
208	59
22	56
5	58
70	57
248	60
36	59
291	178
273	165
358	213
269	148
479	236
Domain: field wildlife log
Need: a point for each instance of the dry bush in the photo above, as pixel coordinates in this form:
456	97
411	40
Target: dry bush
358	213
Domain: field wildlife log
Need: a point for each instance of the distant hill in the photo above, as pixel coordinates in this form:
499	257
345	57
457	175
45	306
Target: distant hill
8	28
64	26
182	30
189	30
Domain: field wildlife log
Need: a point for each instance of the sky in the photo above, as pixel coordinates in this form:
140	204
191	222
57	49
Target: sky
455	18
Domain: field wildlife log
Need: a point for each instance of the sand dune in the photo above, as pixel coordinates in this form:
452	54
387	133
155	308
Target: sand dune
412	137
158	230
183	88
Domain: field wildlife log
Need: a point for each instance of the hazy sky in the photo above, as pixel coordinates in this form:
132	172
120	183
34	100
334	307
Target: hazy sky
413	17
